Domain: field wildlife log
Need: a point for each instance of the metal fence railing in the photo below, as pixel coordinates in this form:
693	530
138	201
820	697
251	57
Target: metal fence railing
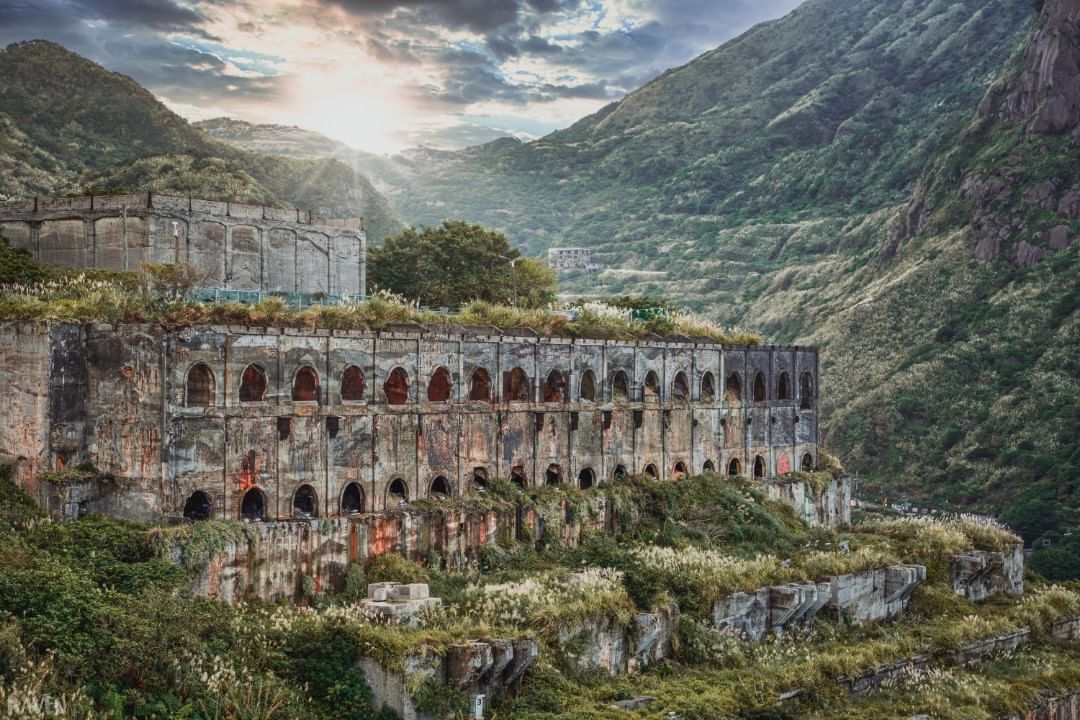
253	297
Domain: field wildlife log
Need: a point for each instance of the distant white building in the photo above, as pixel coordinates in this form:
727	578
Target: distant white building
570	258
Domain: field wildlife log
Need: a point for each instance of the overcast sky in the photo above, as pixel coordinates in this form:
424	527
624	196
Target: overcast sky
383	75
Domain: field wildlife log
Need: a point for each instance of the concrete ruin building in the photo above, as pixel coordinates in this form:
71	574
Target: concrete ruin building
233	246
265	423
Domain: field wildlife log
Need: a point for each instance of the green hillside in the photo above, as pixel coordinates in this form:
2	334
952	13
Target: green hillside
770	184
70	125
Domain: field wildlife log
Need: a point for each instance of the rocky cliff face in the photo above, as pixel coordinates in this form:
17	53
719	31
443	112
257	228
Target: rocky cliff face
1046	96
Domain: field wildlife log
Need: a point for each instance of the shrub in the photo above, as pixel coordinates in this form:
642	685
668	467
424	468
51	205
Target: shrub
391	567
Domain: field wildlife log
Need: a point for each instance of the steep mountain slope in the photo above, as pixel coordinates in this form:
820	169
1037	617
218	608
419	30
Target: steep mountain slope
69	124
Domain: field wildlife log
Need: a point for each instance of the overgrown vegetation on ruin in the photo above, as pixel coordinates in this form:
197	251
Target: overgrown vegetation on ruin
157	295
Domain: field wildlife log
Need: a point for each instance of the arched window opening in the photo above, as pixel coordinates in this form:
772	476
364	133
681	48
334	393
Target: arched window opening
587	391
759	467
806	391
305	503
760	393
783	387
397	493
708	467
198	506
783	464
680	470
440	488
396	387
651	471
480	386
620	387
555	387
253	384
438	389
733	388
200	386
516	387
650	392
734	467
620	472
708	388
253	505
352	500
480	478
553	476
808	463
352	384
306	385
517	476
586	478
680	388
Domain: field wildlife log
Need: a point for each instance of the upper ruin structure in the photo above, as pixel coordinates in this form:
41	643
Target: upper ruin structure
231	245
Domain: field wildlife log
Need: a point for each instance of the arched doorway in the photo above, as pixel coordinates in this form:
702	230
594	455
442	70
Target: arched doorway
587	392
733	388
198	506
806	391
734	467
760	390
620	387
708	388
305	503
480	386
517	476
253	384
759	467
554	390
553	475
680	388
200	386
679	471
708	467
650	392
440	488
620	473
480	478
439	387
306	385
253	505
397	493
783	387
516	387
652	472
352	499
783	464
808	463
396	387
352	384
586	478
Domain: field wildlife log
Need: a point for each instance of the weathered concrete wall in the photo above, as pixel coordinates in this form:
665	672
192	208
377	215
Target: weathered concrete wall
487	667
605	646
829	508
1062	707
978	575
234	246
868	596
385	417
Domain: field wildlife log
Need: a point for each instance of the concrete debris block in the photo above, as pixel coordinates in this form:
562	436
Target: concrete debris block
525	652
652	635
900	584
743	614
380	592
981	574
890	674
634	703
412	591
1057	707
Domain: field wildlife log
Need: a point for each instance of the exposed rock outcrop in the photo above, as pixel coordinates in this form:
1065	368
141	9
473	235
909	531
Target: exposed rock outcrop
1047	94
605	646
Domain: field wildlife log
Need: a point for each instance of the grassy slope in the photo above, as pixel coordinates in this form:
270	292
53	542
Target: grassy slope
72	125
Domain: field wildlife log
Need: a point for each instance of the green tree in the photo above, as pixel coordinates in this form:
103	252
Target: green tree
17	265
454	263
